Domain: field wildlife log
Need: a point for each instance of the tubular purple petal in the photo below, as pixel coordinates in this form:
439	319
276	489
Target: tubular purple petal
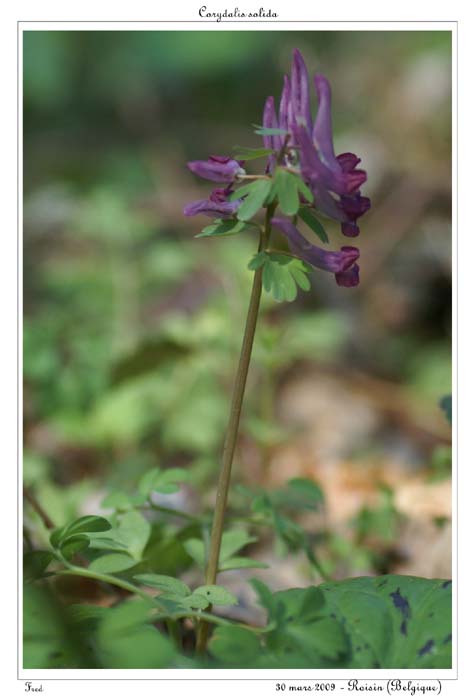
348	161
322	132
301	106
313	169
215	209
331	261
355	205
348	278
284	105
216	168
350	229
270	121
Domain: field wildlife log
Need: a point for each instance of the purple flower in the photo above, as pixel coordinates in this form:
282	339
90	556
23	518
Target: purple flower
217	168
334	180
300	104
215	206
342	263
270	122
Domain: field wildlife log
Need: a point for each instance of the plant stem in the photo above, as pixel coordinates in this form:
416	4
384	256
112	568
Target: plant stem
43	515
233	425
105	578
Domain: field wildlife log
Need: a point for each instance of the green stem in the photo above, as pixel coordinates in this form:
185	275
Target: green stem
233	425
105	578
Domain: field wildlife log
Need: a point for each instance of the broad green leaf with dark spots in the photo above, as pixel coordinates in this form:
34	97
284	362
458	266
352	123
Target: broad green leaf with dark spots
394	621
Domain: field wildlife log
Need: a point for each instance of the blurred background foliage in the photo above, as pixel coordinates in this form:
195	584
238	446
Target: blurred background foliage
132	327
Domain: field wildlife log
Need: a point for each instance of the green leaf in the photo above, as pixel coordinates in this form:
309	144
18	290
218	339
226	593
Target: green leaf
107	543
166	584
216	595
265	131
394	621
110	563
304	190
168	480
75	543
242	191
287	191
195	600
118	500
134	531
156	480
257	261
254	200
241	563
196	549
125	639
244	153
235	646
306	492
303	604
233	541
281	274
229	227
35	563
309	218
88	523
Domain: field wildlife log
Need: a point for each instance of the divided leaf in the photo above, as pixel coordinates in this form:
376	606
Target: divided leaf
162	481
282	274
255	199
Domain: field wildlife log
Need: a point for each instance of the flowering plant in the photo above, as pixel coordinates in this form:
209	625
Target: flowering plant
303	178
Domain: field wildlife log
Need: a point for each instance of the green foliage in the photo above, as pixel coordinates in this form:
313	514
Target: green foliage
256	195
223	228
282	274
232	542
288	187
126	639
245	153
309	216
382	622
265	131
